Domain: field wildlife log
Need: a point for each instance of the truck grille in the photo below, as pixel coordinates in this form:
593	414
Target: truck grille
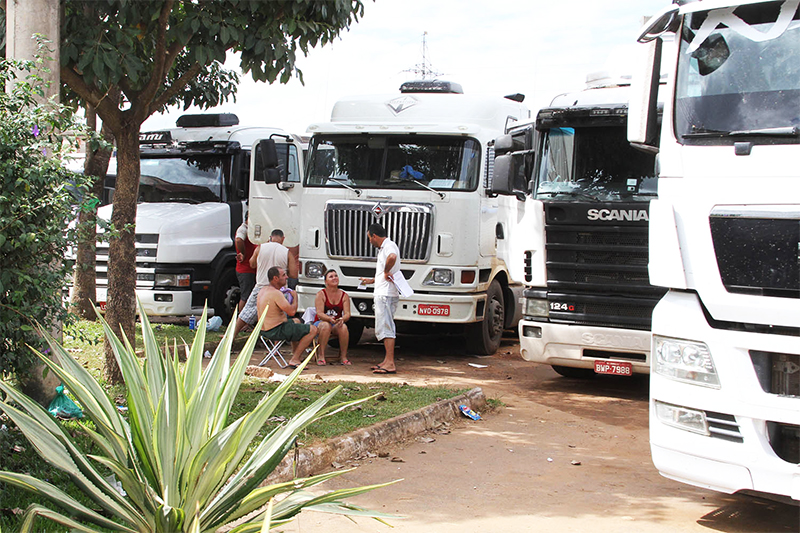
597	268
408	225
778	373
146	248
757	252
723	426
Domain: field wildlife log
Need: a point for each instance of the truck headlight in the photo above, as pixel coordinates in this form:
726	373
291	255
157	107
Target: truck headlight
535	307
687	361
439	276
682	418
173	280
314	269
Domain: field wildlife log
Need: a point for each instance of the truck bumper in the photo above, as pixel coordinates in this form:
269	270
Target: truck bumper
440	308
572	346
740	451
153	304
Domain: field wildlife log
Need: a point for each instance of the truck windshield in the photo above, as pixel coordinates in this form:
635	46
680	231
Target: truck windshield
394	162
593	163
190	179
739	75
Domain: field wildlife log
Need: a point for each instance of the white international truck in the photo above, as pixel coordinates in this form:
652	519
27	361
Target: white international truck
195	180
725	241
420	163
588	301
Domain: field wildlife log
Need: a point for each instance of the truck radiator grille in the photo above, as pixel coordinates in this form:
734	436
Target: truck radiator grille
785	441
597	270
758	253
408	225
146	248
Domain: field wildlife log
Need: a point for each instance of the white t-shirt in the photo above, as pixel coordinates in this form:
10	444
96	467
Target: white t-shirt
270	254
384	287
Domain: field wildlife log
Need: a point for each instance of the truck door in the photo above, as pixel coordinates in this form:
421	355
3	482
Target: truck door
276	205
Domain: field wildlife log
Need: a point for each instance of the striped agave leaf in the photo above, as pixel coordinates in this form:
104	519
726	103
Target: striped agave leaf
180	461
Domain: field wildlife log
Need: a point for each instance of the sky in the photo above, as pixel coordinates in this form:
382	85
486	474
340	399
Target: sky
535	47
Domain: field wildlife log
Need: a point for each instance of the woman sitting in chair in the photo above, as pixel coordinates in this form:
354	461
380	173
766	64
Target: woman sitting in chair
333	311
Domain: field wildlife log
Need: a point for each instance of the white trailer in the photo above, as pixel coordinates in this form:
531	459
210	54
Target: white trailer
420	163
588	302
725	241
194	182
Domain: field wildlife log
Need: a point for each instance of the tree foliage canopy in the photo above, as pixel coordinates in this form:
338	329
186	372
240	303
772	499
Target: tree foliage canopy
37	201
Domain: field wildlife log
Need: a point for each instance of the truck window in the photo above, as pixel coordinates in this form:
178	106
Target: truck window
191	179
443	163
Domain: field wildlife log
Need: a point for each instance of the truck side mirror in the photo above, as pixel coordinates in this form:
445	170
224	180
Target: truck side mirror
503	144
268	162
506	168
643	105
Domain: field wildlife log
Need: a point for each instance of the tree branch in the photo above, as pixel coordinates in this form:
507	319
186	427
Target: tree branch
159	59
175	88
106	107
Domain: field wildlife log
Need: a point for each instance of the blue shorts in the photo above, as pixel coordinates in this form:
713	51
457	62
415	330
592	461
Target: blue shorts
385	308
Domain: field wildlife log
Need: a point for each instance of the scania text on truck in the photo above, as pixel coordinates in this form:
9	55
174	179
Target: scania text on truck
419	163
587	302
195	180
725	241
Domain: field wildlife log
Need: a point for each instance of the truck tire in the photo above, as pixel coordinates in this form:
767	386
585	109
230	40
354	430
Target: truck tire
484	337
575	373
225	295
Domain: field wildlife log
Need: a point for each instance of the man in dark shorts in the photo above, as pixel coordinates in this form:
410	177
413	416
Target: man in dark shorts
279	307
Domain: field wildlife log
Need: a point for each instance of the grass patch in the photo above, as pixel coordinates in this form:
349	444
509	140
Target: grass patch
85	341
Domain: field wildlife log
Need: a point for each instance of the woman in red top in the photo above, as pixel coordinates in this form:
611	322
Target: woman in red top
333	311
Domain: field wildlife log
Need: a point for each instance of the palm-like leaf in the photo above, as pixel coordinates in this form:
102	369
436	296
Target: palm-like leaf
180	463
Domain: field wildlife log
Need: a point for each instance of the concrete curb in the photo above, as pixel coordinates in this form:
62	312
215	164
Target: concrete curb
316	459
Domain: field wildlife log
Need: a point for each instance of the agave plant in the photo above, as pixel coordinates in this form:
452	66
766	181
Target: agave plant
181	465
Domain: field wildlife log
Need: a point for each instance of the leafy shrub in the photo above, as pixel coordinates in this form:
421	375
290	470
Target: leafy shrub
181	465
37	199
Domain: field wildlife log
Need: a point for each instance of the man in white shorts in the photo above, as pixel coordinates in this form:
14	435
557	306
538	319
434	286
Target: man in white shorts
386	295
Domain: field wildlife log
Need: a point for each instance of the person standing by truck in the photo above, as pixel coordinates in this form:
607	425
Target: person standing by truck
386	294
245	273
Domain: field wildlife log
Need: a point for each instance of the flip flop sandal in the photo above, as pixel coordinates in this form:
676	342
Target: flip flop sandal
321	362
346	363
382	371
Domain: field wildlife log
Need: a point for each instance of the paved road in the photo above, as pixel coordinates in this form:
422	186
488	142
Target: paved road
514	471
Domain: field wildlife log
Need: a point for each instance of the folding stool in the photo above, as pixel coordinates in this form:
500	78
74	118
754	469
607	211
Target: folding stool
273	351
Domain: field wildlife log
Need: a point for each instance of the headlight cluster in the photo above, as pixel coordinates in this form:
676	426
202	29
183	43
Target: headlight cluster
682	417
535	307
439	276
685	361
315	270
173	280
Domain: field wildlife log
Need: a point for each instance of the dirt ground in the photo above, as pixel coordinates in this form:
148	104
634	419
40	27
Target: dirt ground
560	455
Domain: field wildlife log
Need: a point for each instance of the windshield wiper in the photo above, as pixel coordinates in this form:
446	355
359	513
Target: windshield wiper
441	194
788	131
343	184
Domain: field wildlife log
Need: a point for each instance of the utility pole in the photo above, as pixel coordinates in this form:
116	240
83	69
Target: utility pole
424	69
24	18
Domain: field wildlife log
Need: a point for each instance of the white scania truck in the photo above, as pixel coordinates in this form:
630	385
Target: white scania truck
588	302
420	163
725	241
194	182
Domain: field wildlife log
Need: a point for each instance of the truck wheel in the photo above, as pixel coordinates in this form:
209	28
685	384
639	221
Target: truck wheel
484	337
226	295
575	373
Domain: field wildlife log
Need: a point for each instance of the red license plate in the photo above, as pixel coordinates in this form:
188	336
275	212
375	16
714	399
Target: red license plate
433	310
101	306
616	368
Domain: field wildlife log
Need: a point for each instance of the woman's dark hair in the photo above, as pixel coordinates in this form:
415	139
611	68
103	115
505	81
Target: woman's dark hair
328	272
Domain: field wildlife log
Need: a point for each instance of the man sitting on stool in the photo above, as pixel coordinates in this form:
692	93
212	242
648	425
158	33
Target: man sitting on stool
277	324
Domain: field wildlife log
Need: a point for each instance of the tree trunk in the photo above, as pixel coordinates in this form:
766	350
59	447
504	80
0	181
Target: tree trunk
121	305
84	288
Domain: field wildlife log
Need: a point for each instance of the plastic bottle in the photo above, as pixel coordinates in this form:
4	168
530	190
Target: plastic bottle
192	322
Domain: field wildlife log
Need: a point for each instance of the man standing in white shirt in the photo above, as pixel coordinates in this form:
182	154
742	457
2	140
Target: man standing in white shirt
386	295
